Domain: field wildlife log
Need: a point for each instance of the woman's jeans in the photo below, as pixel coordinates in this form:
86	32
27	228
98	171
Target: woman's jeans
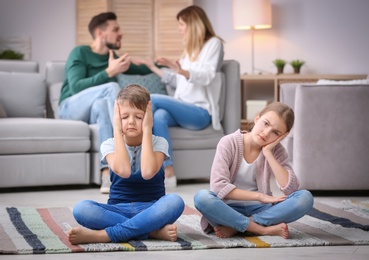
94	105
168	112
126	221
218	213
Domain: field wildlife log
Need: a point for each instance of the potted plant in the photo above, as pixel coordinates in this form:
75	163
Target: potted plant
279	63
296	64
11	55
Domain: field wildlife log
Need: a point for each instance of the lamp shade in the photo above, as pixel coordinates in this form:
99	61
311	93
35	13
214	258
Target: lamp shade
252	14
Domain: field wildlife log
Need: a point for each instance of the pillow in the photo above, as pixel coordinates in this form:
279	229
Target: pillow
150	81
343	82
2	111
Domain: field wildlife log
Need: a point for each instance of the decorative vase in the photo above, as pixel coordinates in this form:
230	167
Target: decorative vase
296	70
280	69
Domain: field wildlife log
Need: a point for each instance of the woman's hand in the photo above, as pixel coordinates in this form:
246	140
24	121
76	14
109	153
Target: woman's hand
174	65
264	198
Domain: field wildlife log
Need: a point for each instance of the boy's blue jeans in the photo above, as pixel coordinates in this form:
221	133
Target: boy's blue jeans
126	221
94	105
168	111
218	213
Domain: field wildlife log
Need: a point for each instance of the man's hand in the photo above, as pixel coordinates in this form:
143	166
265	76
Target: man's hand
119	65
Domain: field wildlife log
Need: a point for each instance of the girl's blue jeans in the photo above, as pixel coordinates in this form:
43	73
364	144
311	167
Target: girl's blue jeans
218	213
94	105
168	112
126	221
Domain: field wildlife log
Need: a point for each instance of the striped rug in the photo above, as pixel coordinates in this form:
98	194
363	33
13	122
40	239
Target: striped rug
43	231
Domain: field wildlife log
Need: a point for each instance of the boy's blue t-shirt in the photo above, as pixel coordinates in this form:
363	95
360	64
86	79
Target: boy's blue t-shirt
135	188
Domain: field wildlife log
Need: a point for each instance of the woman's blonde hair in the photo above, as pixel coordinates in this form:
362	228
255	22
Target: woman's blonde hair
199	30
282	110
136	95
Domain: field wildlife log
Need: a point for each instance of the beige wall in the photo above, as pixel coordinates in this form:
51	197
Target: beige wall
329	34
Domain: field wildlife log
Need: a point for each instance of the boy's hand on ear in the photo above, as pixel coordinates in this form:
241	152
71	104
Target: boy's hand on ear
148	120
117	124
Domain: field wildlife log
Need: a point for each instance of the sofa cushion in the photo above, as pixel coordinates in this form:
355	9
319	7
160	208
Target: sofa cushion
23	94
43	135
55	71
150	81
2	111
19	66
54	96
183	139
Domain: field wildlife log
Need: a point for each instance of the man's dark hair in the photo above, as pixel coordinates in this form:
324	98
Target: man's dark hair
100	21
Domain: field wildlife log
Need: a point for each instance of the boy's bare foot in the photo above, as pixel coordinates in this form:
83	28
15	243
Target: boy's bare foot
80	235
224	232
168	232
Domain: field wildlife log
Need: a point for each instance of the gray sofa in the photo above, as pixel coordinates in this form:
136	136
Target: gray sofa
329	143
35	150
39	149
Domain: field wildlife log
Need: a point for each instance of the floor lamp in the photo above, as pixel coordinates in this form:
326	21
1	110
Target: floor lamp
252	15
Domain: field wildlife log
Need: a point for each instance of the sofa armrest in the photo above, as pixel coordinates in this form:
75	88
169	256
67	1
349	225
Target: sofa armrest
55	72
330	146
232	109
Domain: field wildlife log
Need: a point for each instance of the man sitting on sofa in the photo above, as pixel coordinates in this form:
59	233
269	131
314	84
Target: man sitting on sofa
90	86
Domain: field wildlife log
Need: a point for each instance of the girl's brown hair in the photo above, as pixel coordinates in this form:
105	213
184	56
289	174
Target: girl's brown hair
282	110
136	95
199	30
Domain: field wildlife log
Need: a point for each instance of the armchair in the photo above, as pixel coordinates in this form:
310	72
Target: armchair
329	141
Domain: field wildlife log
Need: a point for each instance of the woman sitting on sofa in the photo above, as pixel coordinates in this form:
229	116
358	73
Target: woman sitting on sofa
192	106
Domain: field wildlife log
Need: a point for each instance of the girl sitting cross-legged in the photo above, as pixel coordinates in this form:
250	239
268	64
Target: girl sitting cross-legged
240	198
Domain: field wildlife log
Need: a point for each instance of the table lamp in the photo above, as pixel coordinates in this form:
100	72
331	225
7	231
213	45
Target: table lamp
252	15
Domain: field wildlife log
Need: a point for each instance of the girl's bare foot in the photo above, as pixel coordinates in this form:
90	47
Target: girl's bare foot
224	232
80	235
168	232
276	230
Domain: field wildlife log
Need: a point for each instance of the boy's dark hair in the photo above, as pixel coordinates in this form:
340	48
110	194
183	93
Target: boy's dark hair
100	21
136	95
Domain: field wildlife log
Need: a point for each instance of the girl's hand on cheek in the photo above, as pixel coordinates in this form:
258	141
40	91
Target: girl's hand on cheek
269	147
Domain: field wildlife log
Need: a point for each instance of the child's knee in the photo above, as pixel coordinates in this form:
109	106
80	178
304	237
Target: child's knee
306	200
80	209
202	198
